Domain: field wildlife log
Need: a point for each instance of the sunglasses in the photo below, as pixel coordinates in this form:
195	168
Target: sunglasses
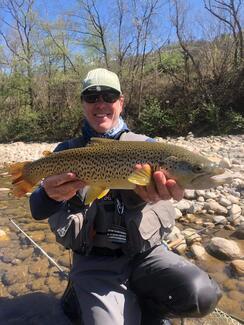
108	97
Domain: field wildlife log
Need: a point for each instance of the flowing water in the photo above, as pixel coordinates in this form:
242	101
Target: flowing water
31	286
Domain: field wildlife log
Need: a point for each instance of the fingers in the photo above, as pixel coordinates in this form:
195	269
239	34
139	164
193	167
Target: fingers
62	187
160	188
176	191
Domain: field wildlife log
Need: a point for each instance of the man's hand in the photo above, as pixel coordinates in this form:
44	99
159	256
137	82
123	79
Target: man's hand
62	187
161	189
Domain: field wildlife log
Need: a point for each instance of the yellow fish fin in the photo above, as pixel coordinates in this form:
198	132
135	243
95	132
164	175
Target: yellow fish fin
47	153
21	185
95	192
141	177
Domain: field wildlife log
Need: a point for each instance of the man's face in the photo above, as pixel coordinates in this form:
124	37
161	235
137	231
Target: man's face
101	113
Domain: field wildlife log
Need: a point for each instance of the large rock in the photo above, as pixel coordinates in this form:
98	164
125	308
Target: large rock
183	205
199	252
215	207
239	233
224	248
238	267
235	214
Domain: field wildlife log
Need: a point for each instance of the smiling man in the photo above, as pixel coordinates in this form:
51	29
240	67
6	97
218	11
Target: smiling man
121	272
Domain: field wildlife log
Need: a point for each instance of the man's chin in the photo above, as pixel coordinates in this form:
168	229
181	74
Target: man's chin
103	127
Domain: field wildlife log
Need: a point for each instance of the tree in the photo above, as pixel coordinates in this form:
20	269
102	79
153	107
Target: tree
18	37
228	12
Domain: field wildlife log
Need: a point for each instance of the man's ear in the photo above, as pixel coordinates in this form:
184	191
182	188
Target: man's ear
122	102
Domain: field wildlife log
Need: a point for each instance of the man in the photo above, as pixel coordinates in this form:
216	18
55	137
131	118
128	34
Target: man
121	273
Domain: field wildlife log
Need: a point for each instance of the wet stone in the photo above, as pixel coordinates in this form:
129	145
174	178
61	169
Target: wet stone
39	268
53	250
224	249
38	226
17	274
64	260
238	267
25	253
54	285
38	236
17	289
38	285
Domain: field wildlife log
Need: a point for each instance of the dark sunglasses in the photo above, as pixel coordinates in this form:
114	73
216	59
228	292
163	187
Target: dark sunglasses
108	97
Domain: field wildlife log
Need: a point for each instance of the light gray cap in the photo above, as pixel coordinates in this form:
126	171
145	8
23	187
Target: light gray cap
100	77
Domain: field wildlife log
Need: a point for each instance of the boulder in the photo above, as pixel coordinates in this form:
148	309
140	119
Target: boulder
238	267
224	249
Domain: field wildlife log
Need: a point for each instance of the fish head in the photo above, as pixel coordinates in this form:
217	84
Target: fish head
192	171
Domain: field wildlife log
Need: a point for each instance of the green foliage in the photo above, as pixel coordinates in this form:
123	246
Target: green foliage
171	61
20	128
154	120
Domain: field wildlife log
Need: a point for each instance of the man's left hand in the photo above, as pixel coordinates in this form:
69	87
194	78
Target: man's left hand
160	189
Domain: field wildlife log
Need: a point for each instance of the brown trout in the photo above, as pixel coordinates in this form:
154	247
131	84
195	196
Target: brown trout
110	164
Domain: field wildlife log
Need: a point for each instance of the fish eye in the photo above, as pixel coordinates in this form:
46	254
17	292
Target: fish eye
197	169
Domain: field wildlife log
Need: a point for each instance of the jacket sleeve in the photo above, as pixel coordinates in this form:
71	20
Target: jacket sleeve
41	205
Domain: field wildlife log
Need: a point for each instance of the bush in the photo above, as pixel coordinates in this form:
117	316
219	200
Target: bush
155	121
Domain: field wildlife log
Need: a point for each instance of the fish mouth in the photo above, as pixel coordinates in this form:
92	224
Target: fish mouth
208	179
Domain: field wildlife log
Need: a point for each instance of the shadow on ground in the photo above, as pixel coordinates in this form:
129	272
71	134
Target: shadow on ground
32	309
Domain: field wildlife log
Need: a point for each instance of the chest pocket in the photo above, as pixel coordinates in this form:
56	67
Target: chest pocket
148	227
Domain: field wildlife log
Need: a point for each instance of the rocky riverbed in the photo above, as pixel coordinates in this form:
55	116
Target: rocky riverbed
209	230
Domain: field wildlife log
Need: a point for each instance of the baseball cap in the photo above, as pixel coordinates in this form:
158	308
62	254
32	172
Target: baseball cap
100	78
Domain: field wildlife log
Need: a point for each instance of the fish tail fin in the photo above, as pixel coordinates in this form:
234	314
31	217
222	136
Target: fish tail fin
21	185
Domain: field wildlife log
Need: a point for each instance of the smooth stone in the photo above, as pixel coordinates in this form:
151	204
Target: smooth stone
183	205
190	194
200	193
225	202
191	236
3	235
233	199
215	207
199	252
37	285
220	220
17	288
196	207
178	214
224	249
239	232
25	253
52	249
39	268
38	236
210	195
54	285
64	260
17	274
234	215
238	267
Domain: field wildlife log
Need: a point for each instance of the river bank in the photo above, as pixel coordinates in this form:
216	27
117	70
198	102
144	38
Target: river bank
209	225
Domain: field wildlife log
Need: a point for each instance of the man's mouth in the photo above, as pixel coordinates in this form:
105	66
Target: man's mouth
100	115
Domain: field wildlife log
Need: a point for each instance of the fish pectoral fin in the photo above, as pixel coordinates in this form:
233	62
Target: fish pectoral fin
141	177
95	192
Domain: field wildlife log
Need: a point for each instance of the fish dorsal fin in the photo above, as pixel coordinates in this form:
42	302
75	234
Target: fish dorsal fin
95	141
46	153
95	192
141	177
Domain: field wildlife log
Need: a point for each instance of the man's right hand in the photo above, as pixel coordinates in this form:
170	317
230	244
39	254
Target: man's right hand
62	187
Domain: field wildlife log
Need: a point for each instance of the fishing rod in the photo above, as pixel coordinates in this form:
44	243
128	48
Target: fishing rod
41	249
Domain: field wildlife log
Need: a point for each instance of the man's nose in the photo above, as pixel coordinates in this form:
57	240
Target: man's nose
100	101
